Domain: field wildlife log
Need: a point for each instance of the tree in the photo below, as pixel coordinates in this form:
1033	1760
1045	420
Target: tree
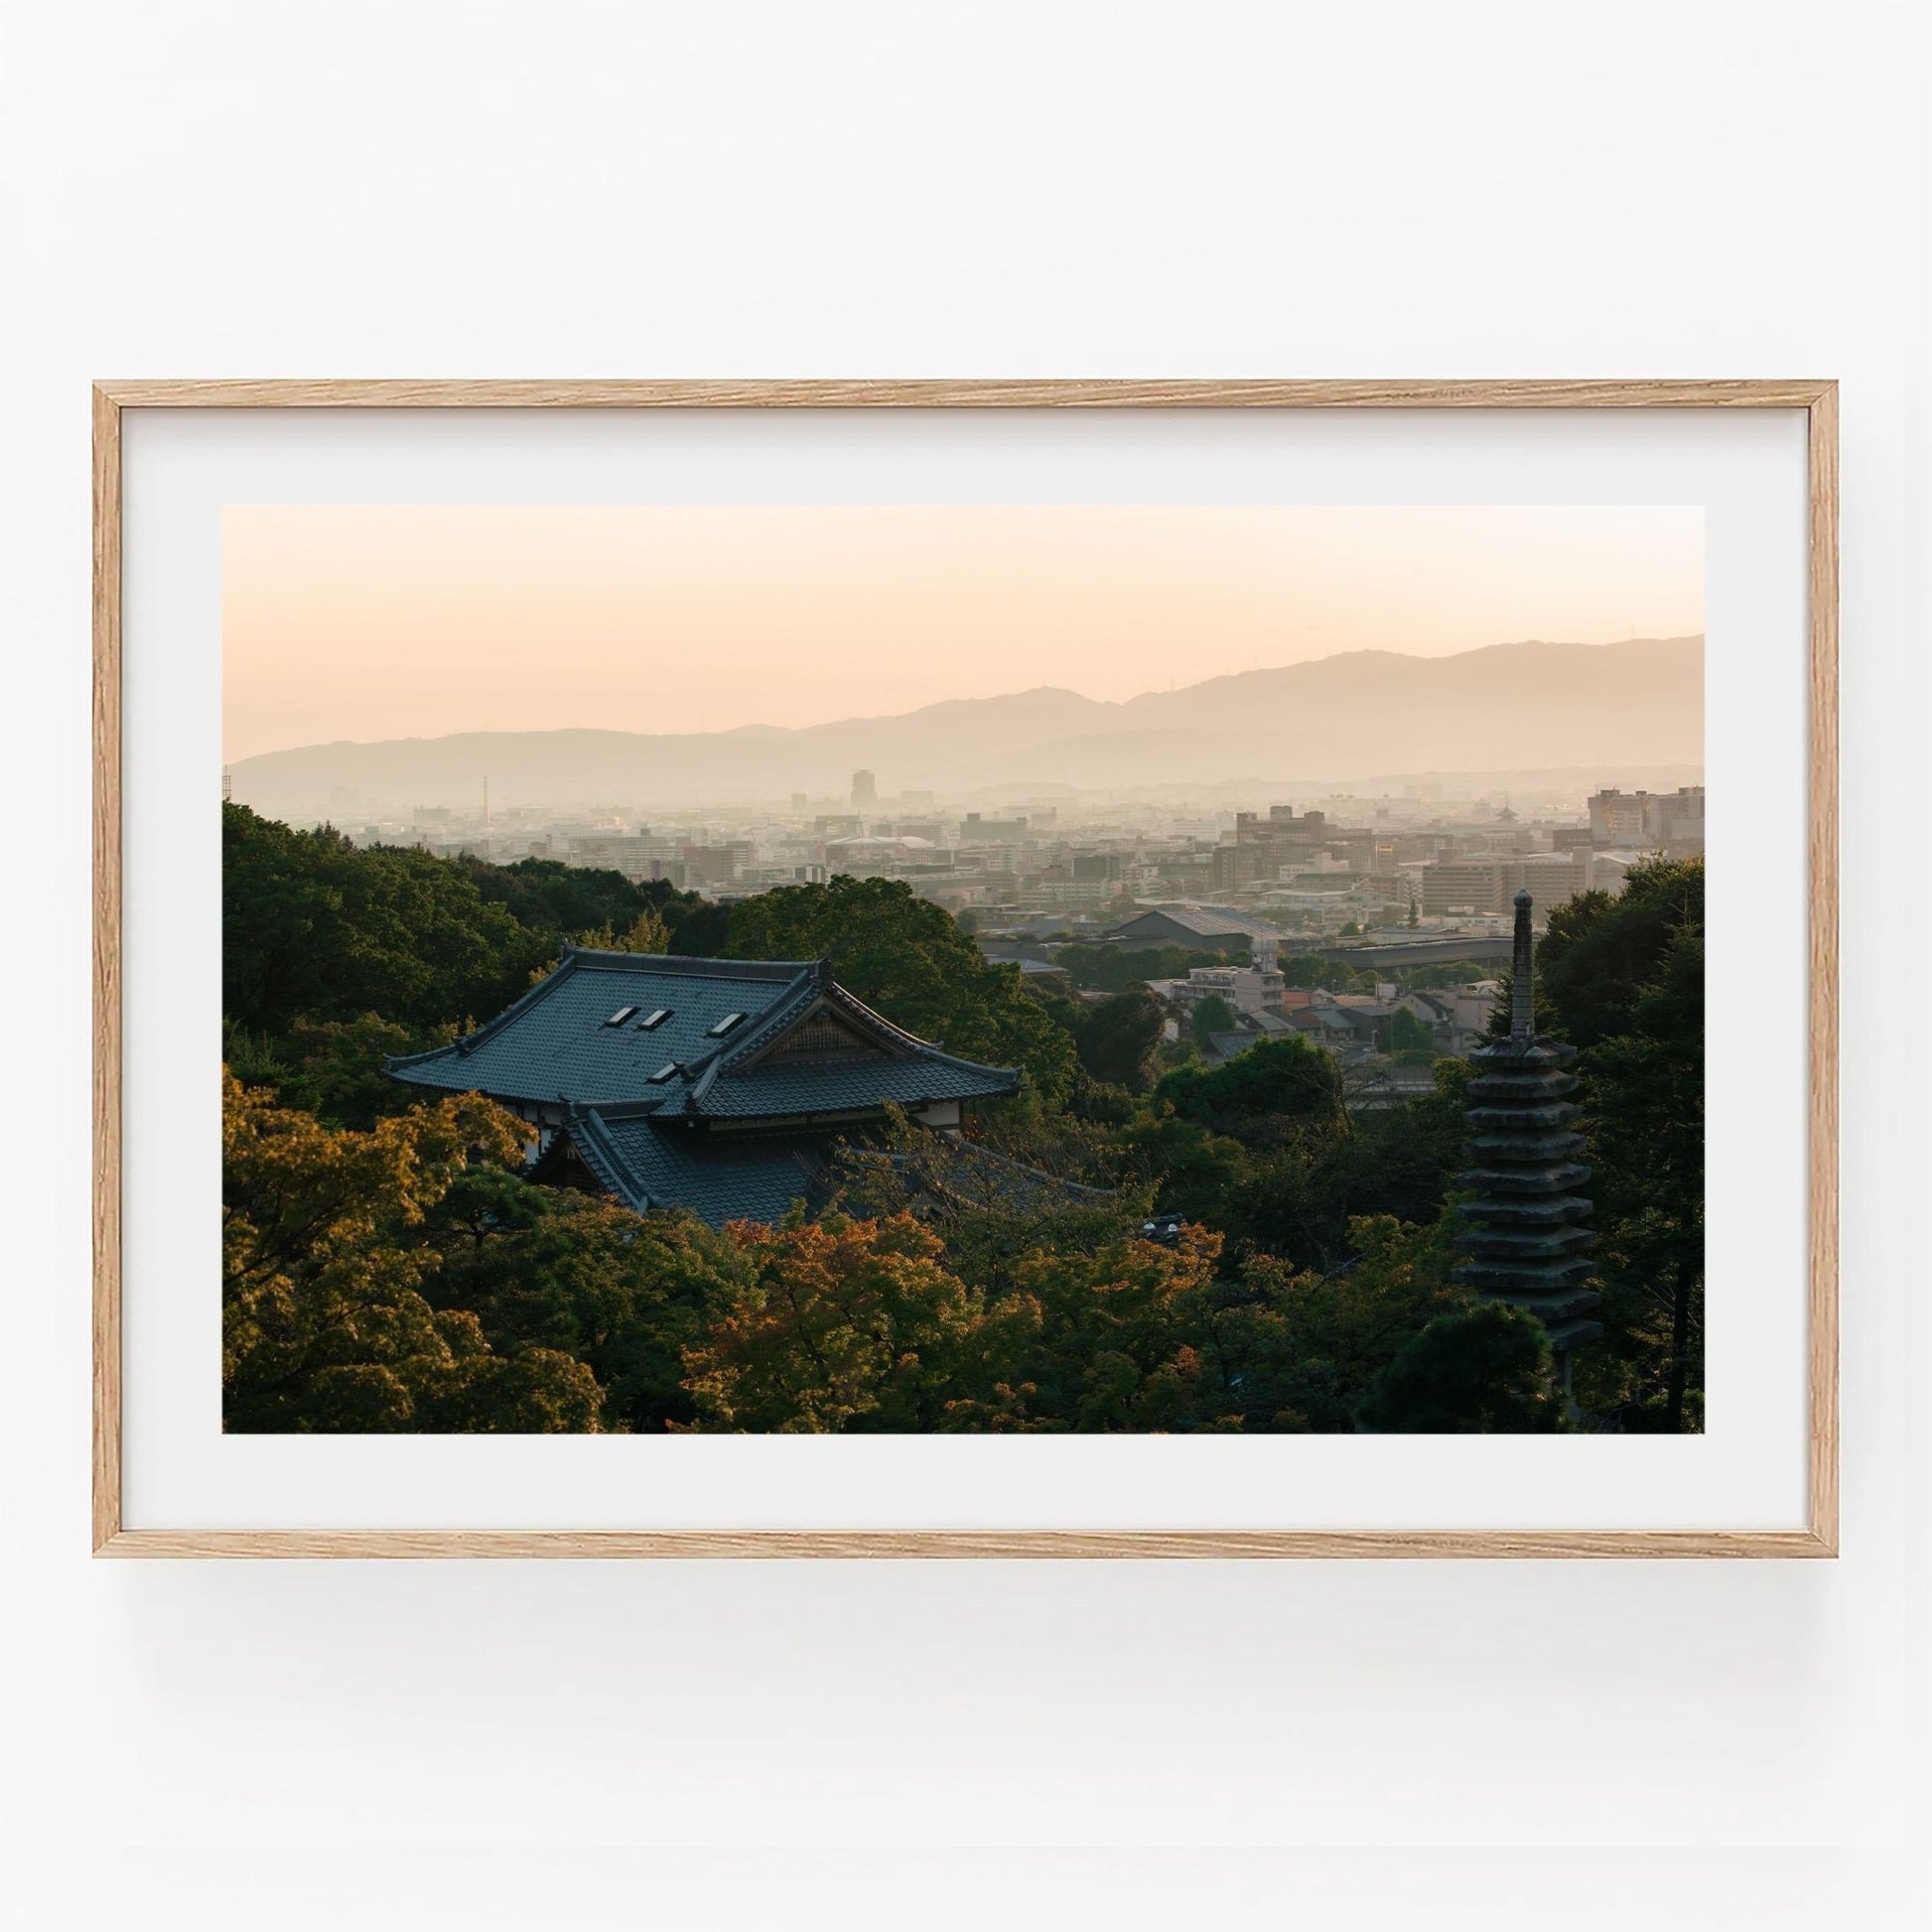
1212	1016
1118	1039
1280	1079
1409	1036
558	899
1304	1197
1312	969
314	928
647	933
1113	969
1134	1334
1103	1339
1623	977
326	1323
1482	1370
904	956
846	1325
1448	972
1193	1170
1600	952
621	1293
1644	1111
334	1068
1299	1348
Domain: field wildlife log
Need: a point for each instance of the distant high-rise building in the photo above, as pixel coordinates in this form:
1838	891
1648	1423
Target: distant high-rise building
1616	817
975	830
1674	820
798	801
865	791
1485	884
1661	821
228	785
1098	864
1285	821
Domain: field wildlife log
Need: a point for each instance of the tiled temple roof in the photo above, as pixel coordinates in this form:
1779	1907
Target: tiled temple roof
563	1042
718	1178
649	1162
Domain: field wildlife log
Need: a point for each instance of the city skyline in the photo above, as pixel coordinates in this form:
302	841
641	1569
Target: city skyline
368	623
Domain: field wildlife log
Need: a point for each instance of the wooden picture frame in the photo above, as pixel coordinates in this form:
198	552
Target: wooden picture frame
1818	399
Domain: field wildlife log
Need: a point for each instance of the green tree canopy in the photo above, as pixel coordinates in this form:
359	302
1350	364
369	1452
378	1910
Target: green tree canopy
1305	1199
1212	1016
1112	969
313	927
1118	1037
1331	975
568	900
1601	953
1410	1035
1643	1102
1623	977
1483	1370
1280	1079
626	1295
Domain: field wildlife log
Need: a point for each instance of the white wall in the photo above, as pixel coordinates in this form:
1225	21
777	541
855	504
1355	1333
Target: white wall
570	188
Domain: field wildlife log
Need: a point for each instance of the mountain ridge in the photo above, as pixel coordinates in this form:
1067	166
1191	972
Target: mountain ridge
1531	702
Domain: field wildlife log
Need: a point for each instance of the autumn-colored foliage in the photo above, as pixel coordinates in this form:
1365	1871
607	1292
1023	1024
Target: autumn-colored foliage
326	1326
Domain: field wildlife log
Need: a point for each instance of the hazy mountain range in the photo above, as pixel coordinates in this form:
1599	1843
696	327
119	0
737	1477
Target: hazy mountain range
1508	707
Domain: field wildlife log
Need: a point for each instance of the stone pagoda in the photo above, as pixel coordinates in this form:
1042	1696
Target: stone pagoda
1524	1231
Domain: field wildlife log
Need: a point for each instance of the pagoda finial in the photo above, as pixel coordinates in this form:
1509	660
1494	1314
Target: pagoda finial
1522	988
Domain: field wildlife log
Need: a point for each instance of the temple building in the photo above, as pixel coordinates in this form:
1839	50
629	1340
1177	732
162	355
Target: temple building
1524	1233
722	1086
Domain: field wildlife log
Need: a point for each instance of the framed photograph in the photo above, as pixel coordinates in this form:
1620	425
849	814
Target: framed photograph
965	968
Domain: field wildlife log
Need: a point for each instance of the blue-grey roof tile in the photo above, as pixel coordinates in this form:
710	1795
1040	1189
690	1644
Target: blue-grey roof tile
718	1178
556	1044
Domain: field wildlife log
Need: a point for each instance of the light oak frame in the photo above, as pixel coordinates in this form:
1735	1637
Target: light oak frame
1819	400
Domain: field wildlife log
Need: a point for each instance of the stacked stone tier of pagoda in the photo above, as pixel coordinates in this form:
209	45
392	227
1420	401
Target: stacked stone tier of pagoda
1523	1231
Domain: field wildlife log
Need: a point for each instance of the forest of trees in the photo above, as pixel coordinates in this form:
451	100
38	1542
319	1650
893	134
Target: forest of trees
386	1268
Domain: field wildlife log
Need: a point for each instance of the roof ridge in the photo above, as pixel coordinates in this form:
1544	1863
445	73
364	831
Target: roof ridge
708	1070
924	1046
592	1141
677	963
638	1107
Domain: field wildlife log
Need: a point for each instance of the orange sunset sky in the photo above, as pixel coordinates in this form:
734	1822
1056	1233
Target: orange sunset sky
369	622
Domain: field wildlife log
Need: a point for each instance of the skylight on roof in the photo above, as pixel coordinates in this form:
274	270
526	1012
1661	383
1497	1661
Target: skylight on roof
665	1073
723	1026
621	1016
651	1020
